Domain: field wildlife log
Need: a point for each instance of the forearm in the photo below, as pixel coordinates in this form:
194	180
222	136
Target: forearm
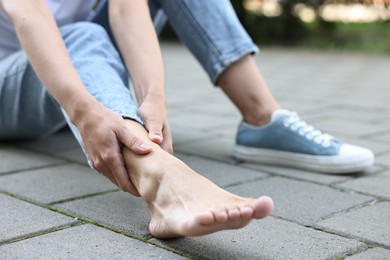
137	40
43	44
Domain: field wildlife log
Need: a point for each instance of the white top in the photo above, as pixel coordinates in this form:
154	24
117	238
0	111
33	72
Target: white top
64	11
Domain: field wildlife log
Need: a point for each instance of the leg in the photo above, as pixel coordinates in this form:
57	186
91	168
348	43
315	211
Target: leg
166	184
253	98
214	35
267	134
100	67
172	192
182	202
104	75
27	110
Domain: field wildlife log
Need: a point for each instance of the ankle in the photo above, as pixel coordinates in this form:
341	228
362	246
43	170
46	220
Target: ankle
149	174
258	119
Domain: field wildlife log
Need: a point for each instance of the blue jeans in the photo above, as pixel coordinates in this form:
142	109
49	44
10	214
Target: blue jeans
210	29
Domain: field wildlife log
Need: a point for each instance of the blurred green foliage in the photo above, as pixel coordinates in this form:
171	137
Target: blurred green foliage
288	30
285	29
367	37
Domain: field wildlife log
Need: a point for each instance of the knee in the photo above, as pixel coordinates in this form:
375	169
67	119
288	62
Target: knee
83	31
86	29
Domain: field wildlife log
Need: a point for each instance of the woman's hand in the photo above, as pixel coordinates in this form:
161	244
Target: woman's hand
141	52
154	114
104	133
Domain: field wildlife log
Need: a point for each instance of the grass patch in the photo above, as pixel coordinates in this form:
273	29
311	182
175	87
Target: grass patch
365	37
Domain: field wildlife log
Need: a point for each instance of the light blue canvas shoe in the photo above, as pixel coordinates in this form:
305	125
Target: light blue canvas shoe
289	141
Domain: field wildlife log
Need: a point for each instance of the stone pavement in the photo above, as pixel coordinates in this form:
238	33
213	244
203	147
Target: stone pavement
54	207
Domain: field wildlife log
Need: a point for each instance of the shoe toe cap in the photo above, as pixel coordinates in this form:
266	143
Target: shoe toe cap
357	153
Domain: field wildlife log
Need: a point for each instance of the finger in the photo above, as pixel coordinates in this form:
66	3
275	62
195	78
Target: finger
123	180
133	143
167	143
106	172
154	128
109	175
167	146
116	166
155	137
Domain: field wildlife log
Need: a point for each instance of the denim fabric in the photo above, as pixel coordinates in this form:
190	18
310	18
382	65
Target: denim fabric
209	28
27	110
101	69
158	15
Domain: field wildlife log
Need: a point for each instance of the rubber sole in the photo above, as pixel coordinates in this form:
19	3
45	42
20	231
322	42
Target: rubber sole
325	164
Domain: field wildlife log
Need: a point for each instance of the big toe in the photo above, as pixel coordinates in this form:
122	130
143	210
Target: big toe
263	207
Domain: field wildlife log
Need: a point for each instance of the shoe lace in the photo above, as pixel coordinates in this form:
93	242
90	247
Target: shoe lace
295	123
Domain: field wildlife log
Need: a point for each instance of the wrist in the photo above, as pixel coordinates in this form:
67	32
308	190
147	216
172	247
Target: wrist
151	91
154	98
79	109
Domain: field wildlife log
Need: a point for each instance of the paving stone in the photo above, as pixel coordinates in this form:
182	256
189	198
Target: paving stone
383	123
349	128
349	113
15	159
228	130
218	148
265	239
73	155
186	99
299	174
370	101
84	242
19	218
61	141
220	108
383	159
370	223
373	254
202	98
181	135
119	210
343	98
376	185
201	121
299	201
383	138
304	106
56	183
223	174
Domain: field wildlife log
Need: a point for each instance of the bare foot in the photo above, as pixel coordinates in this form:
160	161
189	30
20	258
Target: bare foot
184	203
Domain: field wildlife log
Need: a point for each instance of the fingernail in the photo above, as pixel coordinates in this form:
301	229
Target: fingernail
144	146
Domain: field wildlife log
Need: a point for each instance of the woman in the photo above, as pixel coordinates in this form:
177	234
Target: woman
73	64
71	70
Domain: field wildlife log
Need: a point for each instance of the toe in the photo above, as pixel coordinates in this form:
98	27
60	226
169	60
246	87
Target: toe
206	218
221	216
246	212
234	214
263	207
